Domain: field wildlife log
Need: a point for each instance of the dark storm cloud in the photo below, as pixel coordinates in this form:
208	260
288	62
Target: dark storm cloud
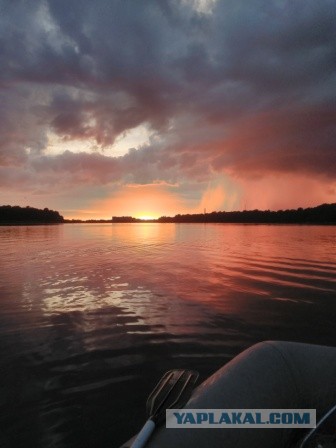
246	87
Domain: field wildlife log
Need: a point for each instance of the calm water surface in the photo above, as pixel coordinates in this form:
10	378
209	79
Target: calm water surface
92	315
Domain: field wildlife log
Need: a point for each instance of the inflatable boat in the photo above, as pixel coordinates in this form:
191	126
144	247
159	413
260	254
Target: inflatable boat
268	375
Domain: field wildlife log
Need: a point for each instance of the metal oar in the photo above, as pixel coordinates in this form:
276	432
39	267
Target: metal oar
171	392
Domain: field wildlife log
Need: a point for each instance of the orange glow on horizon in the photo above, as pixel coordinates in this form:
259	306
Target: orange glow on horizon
145	217
153	201
140	201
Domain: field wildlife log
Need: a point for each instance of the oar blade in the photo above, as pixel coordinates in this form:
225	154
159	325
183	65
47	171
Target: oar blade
172	391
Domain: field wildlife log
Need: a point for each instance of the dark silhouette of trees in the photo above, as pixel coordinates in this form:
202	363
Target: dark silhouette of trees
322	214
116	219
28	215
125	219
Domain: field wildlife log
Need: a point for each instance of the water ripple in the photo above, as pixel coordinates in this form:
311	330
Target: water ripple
92	315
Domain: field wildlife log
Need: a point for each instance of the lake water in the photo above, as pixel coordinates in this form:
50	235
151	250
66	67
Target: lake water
91	315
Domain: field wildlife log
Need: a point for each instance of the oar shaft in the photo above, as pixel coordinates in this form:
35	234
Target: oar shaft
144	434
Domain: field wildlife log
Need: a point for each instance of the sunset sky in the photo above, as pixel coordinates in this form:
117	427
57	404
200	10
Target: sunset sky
154	107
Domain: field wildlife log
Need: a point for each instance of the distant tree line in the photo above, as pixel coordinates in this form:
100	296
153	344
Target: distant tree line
87	221
125	219
28	215
322	214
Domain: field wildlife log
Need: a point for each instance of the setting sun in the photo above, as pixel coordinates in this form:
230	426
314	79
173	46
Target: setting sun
146	217
167	200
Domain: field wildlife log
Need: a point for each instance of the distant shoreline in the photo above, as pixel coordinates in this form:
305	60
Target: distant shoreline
324	214
38	224
226	223
22	224
243	223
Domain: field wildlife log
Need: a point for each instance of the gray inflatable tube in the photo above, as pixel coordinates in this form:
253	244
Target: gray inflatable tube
269	375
